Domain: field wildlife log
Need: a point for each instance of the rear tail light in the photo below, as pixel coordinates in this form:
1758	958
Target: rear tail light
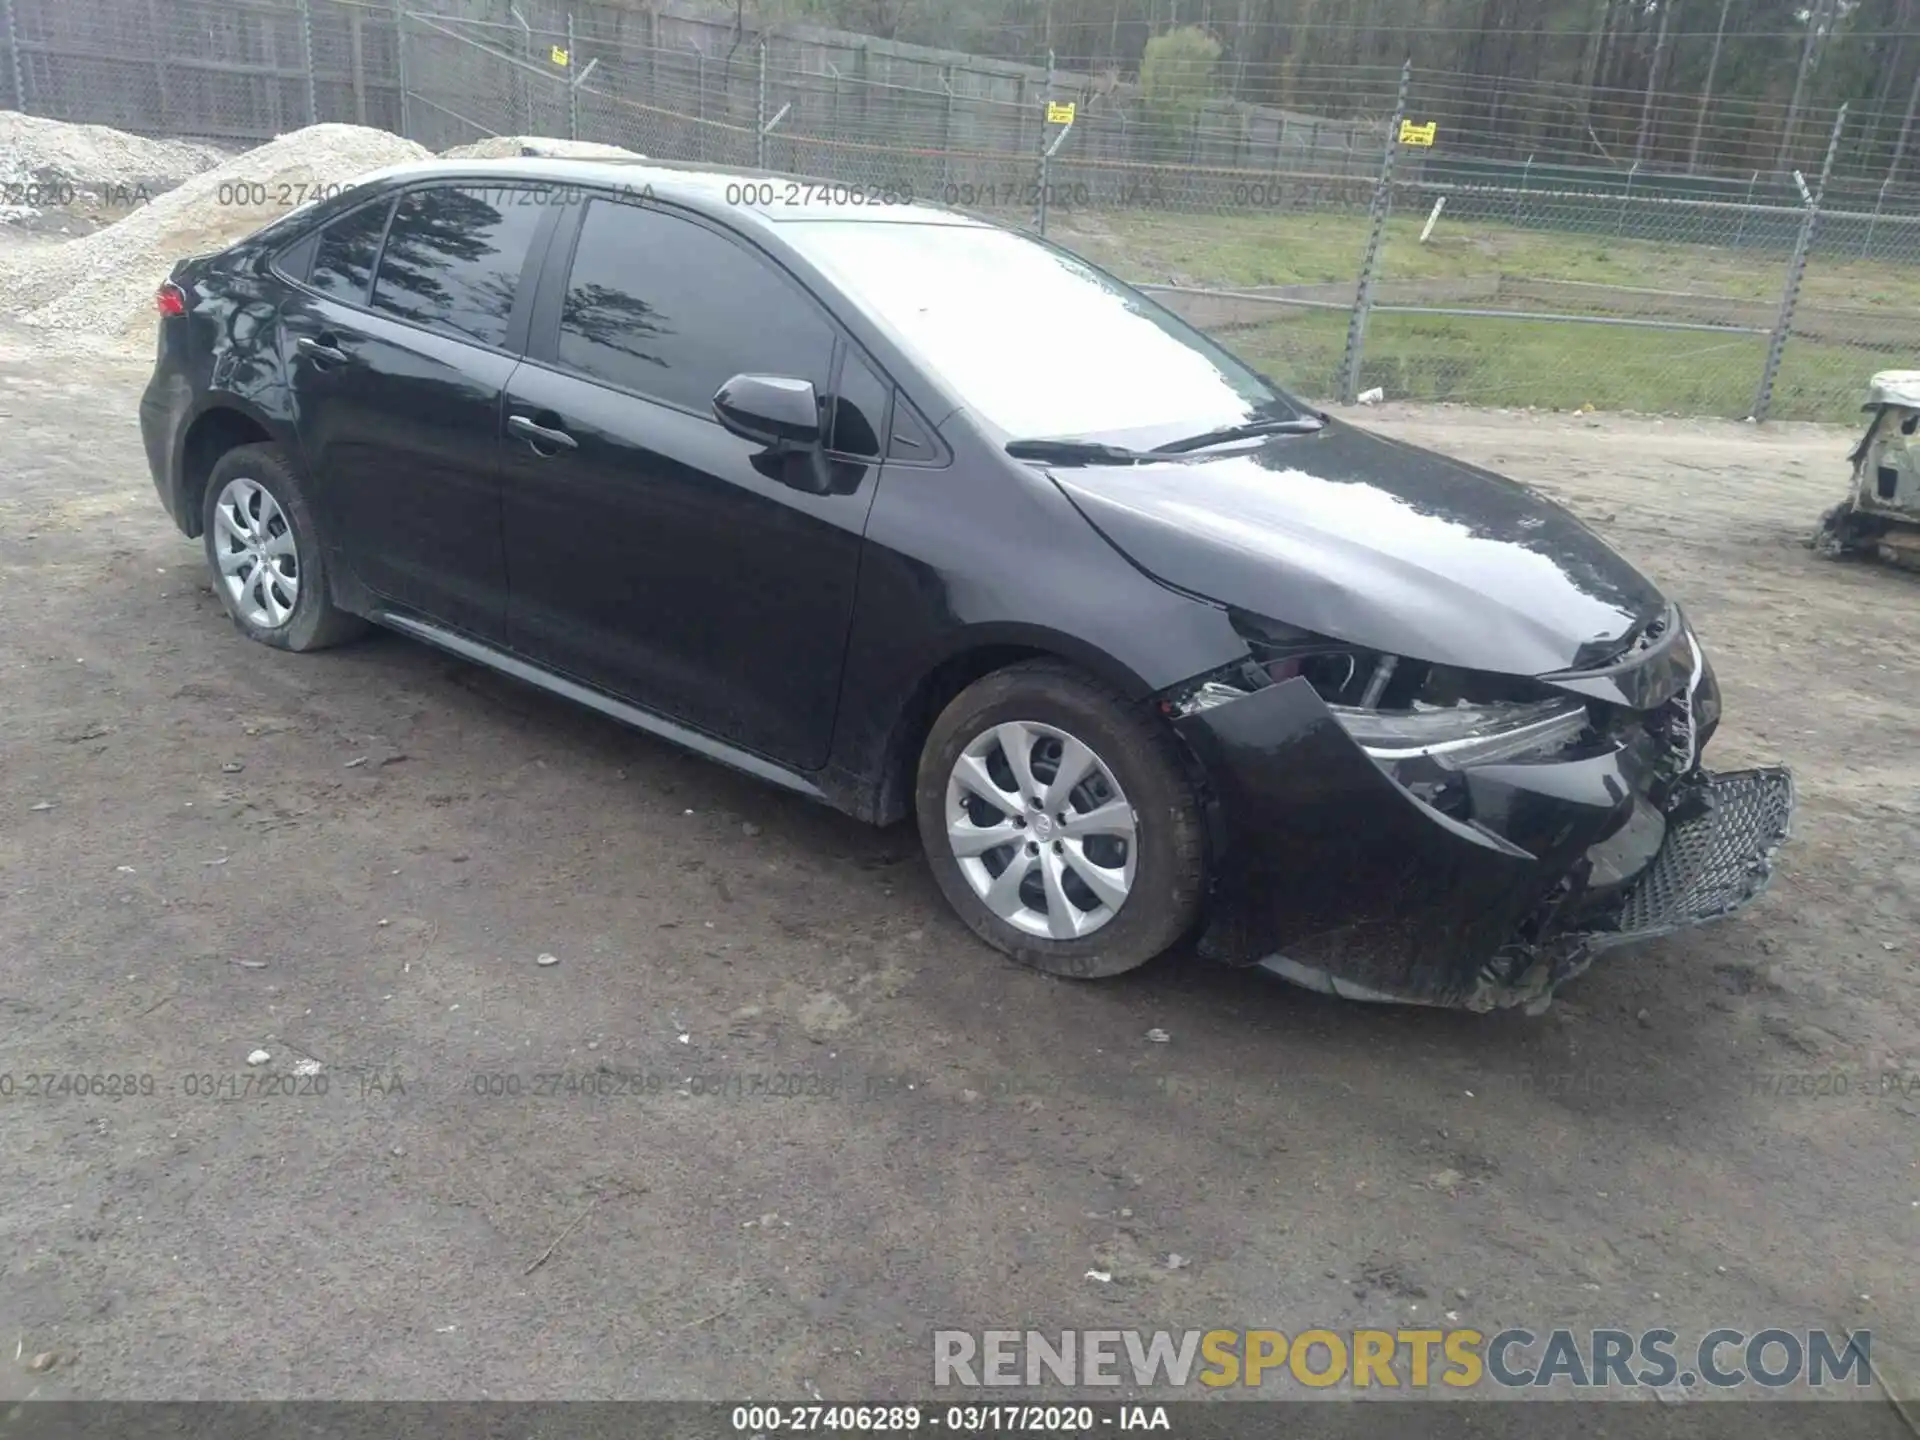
170	299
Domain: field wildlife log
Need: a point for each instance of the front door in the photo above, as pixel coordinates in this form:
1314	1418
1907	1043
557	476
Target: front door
650	552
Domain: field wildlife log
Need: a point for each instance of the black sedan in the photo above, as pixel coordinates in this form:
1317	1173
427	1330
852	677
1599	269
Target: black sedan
920	516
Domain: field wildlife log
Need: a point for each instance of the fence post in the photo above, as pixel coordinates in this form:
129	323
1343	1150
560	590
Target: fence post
652	52
1796	272
760	112
522	81
357	45
1021	102
306	54
13	57
1382	203
158	49
1040	169
1740	230
400	65
573	90
946	137
699	102
1879	204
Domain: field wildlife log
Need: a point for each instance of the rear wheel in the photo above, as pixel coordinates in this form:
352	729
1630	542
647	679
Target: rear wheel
1060	823
264	553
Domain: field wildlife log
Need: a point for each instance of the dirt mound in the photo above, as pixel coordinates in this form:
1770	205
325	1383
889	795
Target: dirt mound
504	147
101	285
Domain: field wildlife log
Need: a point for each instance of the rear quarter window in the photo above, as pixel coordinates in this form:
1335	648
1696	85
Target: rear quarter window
345	253
296	261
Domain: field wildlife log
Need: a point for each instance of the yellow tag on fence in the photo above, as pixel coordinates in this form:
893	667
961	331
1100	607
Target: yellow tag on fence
561	57
1412	134
1058	114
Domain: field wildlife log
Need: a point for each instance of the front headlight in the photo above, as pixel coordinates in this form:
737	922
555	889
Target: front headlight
1461	735
1420	722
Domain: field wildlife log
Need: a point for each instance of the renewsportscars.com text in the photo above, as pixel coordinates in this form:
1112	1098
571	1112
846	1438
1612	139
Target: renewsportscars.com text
1451	1359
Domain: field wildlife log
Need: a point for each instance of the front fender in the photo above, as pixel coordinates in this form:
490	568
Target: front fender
1332	865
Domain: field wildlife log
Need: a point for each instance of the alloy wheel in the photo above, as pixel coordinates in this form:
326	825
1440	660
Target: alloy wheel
1041	829
254	545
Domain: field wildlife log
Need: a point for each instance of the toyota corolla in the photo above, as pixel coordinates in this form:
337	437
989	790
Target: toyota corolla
923	517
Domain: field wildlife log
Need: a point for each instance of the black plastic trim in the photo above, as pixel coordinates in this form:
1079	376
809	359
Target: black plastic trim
701	744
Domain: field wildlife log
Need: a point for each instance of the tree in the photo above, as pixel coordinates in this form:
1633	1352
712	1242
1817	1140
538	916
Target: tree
1176	80
1579	81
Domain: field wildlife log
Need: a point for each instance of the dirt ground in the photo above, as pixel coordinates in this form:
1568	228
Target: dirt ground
353	860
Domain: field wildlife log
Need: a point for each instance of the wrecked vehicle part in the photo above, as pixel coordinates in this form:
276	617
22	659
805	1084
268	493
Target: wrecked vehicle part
1710	866
1477	854
1881	516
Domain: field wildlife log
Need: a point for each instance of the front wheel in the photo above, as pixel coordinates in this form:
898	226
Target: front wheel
1060	823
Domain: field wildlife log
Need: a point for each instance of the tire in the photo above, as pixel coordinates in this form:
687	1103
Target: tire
1161	866
248	483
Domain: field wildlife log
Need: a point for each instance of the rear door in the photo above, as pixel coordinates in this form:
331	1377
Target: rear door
401	340
651	552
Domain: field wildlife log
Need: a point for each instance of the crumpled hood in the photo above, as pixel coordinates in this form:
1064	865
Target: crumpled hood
1375	543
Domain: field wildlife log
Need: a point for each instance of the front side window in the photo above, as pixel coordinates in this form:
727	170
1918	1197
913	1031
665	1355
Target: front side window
1033	340
672	310
343	264
453	259
859	410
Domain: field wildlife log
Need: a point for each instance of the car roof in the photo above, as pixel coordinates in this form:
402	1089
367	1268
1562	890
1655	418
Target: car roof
715	191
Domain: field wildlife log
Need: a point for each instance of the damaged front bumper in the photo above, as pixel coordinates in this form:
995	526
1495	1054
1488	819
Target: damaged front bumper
1710	865
1335	877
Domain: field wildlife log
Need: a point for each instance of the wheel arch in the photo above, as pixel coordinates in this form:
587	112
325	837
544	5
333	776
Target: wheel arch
224	423
969	656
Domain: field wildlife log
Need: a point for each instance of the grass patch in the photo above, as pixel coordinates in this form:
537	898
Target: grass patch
1543	363
1555	365
1316	249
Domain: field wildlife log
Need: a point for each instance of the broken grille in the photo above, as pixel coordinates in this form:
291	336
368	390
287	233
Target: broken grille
1716	859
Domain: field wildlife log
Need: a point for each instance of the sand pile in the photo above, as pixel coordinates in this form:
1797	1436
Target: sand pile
101	285
505	147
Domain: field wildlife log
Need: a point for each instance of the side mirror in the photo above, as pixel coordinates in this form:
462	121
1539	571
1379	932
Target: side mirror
772	410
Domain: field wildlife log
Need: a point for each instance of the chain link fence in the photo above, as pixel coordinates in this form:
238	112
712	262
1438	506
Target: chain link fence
239	70
1344	243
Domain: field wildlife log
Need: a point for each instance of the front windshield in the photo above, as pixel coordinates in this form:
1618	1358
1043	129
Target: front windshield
1034	341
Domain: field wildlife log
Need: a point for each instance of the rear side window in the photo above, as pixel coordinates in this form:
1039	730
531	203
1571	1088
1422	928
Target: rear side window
453	259
672	310
343	265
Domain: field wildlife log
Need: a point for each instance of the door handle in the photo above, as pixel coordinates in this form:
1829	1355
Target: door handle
322	350
538	435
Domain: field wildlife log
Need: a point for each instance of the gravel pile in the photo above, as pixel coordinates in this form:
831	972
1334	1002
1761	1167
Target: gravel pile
506	147
101	285
51	158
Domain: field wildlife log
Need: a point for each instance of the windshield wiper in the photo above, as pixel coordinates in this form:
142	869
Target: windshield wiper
1099	452
1075	452
1253	429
